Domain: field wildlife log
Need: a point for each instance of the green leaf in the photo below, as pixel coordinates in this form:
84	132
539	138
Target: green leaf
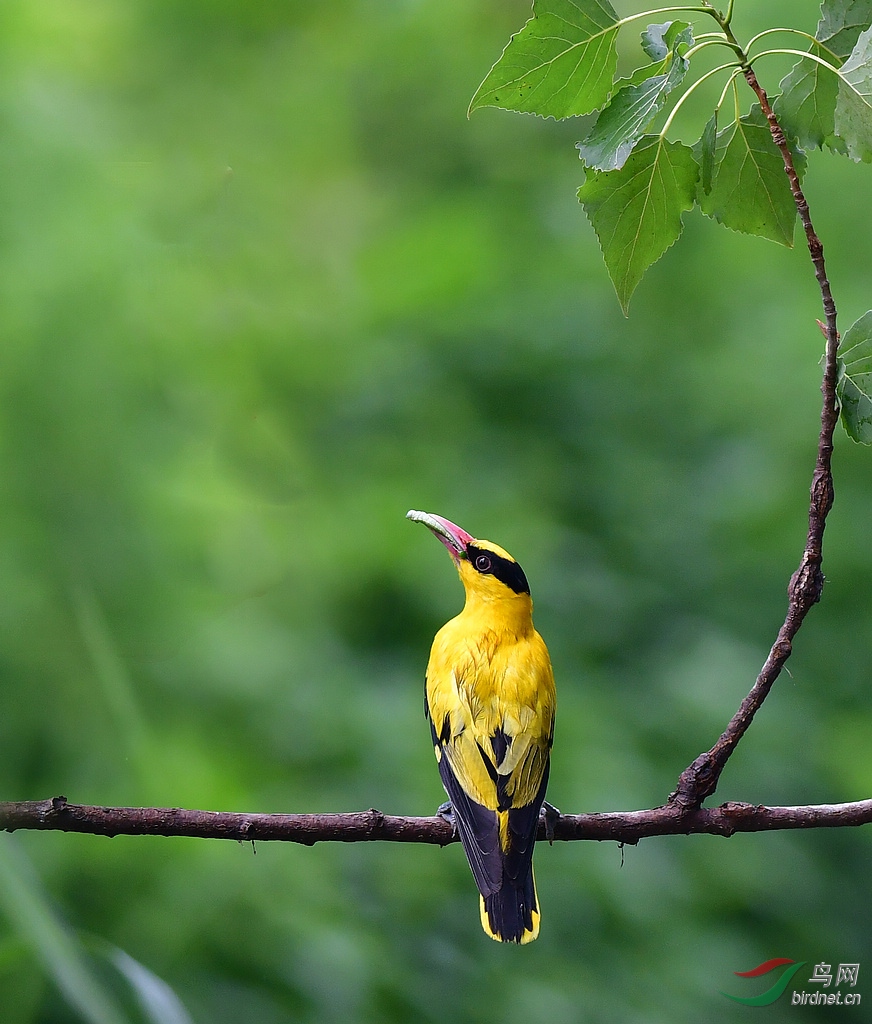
704	151
854	387
636	211
621	124
158	1002
853	118
841	23
658	41
642	74
807	104
662	40
561	63
749	189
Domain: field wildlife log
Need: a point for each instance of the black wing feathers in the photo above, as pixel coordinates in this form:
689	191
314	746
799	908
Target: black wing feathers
500	744
476	826
523	826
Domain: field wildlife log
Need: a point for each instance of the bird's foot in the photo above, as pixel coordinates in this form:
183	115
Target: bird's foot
446	812
551	815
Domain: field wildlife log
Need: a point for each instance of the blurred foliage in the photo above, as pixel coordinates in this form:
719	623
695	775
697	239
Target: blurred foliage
264	288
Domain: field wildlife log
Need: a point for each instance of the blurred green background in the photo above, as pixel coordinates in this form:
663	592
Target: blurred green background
263	287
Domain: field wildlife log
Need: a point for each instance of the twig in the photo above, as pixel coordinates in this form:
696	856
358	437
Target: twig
373	826
683	813
699	780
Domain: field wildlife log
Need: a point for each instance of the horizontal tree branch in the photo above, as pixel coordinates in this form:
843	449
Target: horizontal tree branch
372	825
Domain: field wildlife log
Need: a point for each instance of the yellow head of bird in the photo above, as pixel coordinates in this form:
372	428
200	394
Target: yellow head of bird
487	571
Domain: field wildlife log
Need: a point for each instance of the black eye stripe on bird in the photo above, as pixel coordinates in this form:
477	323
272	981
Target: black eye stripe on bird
492	743
506	570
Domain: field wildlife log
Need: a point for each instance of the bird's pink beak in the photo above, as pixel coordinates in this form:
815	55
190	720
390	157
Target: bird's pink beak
449	533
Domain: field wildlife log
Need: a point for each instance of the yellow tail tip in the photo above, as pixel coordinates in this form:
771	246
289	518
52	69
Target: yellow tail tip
528	935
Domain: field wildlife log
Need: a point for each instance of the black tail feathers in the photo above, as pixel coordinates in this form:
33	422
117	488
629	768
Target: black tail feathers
511	914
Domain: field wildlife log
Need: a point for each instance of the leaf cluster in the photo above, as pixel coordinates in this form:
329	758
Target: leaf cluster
639	184
563	64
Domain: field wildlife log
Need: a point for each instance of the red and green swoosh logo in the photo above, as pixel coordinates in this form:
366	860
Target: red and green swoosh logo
771	994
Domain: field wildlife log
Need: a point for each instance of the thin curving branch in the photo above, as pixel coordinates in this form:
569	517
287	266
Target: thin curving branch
683	814
373	826
699	780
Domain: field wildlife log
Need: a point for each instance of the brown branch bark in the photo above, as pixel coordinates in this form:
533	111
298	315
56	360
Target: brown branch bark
372	825
699	780
683	813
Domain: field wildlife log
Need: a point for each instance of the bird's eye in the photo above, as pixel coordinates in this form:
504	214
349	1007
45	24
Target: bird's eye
483	563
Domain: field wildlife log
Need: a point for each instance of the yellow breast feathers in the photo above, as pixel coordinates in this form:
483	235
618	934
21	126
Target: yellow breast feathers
490	699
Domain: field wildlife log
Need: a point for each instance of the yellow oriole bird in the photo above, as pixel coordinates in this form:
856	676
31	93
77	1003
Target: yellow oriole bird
490	698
